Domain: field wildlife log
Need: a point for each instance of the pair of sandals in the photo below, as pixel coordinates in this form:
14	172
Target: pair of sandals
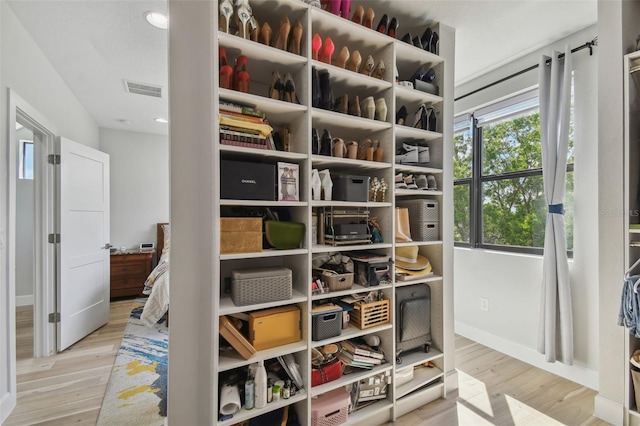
424	182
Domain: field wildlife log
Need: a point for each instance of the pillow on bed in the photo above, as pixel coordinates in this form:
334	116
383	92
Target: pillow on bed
166	230
158	271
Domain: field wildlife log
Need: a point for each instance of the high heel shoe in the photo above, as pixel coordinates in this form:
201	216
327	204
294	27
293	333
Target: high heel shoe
265	34
255	29
420	118
358	15
316	44
365	150
342	104
435	43
345	8
243	81
327	51
326	183
407	38
343	57
326	93
290	89
315	142
339	148
241	65
352	150
369	15
316	185
353	64
325	143
335	6
378	151
401	115
354	106
367	69
315	88
378	72
243	15
226	77
432	121
276	89
426	39
295	38
392	28
282	38
226	10
368	108
381	109
382	26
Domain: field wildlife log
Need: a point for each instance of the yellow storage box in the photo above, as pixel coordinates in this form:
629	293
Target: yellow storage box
240	235
274	327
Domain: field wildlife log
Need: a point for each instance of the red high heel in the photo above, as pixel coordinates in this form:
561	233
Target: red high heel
241	65
335	6
242	81
345	8
316	44
327	51
226	72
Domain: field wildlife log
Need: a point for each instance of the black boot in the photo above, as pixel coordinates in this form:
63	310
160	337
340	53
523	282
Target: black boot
315	88
315	142
326	94
325	144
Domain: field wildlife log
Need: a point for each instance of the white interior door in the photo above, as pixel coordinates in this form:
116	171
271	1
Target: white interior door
83	257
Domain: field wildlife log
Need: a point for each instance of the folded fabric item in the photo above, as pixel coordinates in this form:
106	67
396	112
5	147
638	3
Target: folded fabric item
264	129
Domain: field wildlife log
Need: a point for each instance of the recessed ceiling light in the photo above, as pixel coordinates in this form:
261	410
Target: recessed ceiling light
124	121
161	120
157	19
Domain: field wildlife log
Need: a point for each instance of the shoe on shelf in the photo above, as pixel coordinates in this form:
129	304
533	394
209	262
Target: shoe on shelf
326	184
265	34
381	109
369	15
382	25
243	15
424	158
290	89
401	115
316	184
254	34
426	38
339	148
325	143
393	27
354	106
368	108
226	10
315	88
367	69
410	182
276	89
432	120
315	142
378	151
399	181
241	66
417	43
435	43
342	104
316	44
327	51
378	72
352	150
343	57
407	38
282	37
408	154
420	117
353	64
345	8
421	182
365	150
432	184
295	38
326	93
358	15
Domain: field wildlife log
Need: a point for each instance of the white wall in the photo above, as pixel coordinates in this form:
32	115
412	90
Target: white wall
139	184
512	282
25	220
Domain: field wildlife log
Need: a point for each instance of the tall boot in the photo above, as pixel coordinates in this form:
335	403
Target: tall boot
315	88
403	230
326	94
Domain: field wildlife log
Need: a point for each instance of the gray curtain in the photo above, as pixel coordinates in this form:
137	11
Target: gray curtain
556	321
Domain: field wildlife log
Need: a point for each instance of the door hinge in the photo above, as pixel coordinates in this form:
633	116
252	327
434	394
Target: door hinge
53	159
54	318
54	238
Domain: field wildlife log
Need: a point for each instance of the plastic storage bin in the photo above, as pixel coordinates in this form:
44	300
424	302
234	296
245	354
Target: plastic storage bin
351	188
325	325
331	408
260	285
336	282
421	210
370	274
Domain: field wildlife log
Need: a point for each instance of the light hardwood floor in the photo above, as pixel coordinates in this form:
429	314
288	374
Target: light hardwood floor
495	389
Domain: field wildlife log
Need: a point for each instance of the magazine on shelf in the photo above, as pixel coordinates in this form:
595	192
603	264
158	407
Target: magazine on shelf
361	358
361	349
288	179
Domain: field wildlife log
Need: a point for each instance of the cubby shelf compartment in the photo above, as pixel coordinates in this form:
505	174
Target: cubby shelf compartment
243	414
409	192
257	52
263	203
260	153
350	378
357	288
429	279
324	248
355	80
406	132
263	253
232	359
416	169
418	398
351	332
420	377
346	204
274	109
326	161
370	411
408	95
419	243
324	23
323	118
409	52
409	359
228	307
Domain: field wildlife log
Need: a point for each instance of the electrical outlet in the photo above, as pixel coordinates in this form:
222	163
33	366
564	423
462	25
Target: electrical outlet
484	304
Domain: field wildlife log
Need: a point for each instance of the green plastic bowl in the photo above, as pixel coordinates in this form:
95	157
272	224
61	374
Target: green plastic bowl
284	235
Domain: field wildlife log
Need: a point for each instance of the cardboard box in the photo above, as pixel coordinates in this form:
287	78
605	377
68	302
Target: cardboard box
274	327
240	235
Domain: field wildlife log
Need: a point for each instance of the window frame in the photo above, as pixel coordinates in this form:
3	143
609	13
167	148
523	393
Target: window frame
22	158
477	179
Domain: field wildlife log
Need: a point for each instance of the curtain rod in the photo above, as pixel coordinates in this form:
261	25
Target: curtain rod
589	45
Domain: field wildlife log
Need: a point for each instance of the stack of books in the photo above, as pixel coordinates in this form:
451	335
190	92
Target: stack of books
361	355
243	125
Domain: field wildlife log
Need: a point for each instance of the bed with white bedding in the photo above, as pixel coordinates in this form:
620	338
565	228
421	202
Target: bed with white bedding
157	284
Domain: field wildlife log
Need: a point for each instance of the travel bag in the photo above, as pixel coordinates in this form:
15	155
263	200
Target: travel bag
413	317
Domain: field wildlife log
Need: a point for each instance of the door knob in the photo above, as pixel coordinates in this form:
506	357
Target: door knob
107	246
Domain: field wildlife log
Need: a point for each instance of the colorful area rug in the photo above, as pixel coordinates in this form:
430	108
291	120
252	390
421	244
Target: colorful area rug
137	389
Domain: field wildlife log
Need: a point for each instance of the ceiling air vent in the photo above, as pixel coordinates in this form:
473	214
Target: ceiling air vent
143	89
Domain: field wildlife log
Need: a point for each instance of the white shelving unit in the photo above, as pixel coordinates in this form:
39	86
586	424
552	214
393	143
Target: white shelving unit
429	383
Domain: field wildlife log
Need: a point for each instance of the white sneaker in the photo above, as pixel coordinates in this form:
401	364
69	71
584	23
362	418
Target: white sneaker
423	154
407	154
432	184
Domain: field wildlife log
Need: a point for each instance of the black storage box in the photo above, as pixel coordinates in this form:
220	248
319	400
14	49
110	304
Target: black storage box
351	188
370	274
325	325
248	181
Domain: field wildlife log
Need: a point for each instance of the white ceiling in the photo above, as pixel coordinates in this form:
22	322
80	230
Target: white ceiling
95	44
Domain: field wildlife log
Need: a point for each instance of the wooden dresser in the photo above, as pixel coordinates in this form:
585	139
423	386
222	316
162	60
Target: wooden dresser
129	271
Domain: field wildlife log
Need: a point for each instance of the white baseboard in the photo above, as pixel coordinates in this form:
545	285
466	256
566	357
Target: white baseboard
451	380
608	410
575	373
24	300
